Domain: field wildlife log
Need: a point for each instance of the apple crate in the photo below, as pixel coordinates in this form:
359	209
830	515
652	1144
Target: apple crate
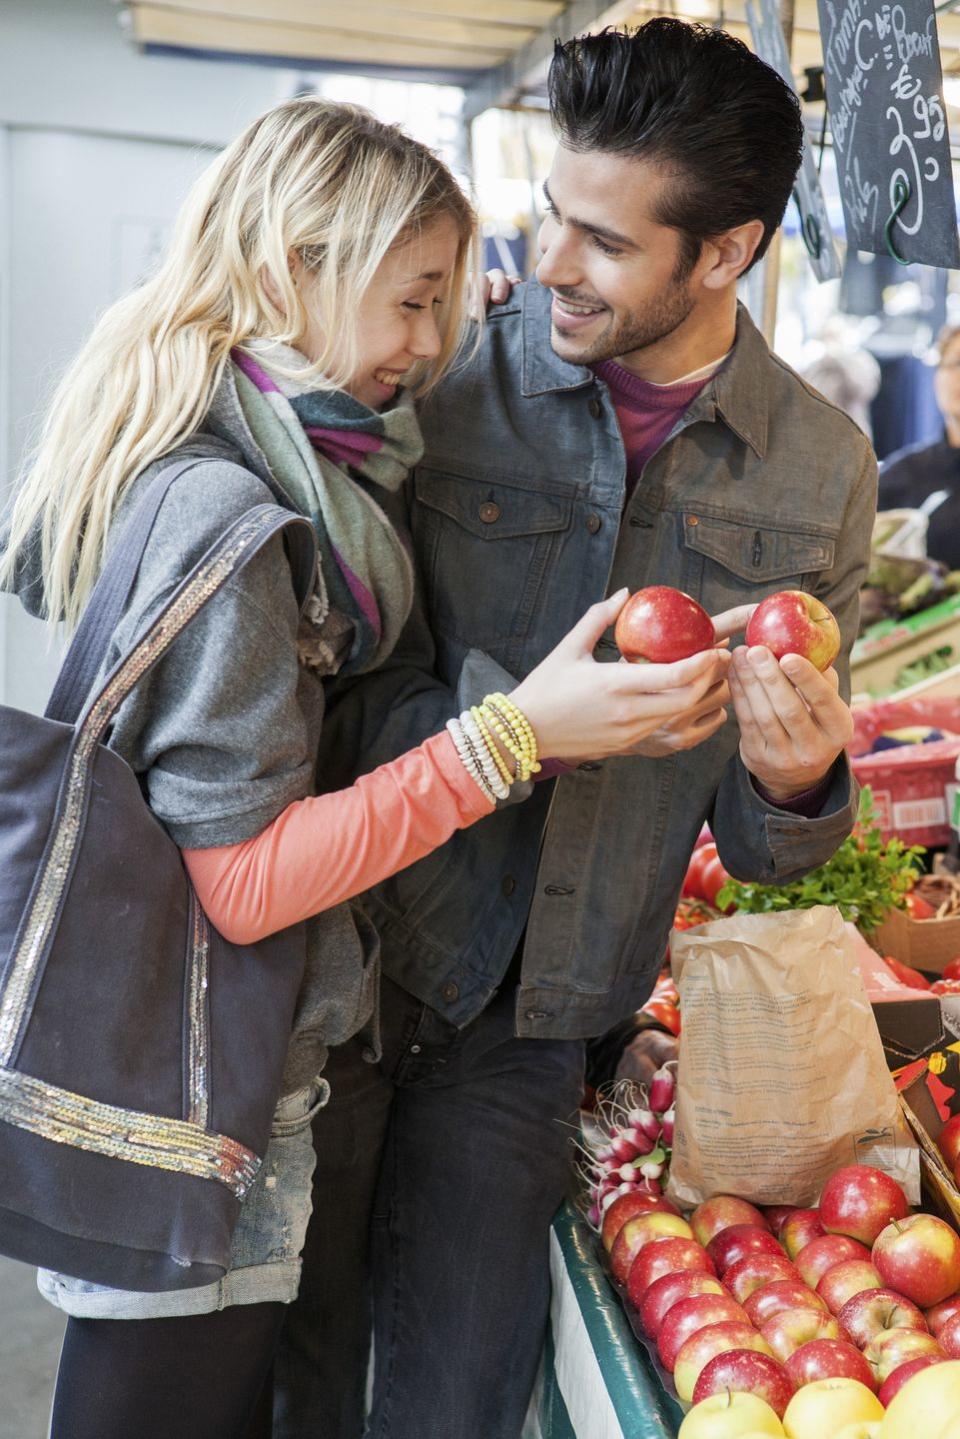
939	1188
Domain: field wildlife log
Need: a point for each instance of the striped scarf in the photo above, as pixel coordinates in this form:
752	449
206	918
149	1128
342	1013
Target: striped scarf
327	450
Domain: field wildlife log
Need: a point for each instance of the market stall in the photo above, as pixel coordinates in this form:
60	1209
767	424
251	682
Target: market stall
764	1235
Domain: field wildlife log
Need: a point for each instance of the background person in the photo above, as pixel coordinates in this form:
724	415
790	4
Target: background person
927	477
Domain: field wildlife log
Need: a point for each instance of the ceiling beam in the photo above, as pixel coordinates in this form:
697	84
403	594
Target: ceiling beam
367	16
291	44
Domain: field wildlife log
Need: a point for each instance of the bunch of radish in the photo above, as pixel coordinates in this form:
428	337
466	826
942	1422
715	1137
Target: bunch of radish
625	1144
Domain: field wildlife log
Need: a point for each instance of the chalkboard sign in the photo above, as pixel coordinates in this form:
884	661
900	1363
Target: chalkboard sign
766	29
889	127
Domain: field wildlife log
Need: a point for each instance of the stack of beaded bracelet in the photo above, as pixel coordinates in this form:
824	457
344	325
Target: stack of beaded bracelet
477	760
514	732
475	735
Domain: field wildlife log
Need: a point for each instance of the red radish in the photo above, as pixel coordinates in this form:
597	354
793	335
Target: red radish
662	1088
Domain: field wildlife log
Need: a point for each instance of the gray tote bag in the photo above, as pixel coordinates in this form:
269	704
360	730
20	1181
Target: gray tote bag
141	1055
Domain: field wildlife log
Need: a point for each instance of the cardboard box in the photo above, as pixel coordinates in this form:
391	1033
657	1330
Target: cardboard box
927	944
885	648
909	1020
925	1121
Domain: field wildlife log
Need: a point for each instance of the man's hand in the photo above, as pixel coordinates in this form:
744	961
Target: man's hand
793	723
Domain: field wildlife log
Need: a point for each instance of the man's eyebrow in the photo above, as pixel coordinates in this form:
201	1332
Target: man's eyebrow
613	236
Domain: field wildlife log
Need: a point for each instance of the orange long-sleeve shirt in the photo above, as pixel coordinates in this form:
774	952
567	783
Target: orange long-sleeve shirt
326	849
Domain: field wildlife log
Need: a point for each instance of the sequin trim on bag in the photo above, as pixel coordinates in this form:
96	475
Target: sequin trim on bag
66	1118
198	1017
32	946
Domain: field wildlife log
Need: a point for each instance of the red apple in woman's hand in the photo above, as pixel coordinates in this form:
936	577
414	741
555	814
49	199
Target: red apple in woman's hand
795	623
660	625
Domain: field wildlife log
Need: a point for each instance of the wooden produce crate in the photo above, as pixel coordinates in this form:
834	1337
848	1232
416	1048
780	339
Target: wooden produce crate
940	1191
885	648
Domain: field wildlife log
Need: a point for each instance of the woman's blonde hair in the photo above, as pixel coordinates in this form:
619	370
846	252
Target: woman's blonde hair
327	182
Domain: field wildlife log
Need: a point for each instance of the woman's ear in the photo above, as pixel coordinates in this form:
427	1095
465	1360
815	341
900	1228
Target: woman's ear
267	278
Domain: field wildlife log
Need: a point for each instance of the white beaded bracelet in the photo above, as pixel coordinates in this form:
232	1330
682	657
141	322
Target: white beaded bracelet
468	760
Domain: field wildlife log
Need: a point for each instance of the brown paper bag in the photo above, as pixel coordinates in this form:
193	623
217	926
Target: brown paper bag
782	1077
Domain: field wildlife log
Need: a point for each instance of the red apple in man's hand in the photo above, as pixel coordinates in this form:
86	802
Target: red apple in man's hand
731	1245
756	1272
919	1257
896	1379
785	1294
938	1316
822	1254
631	1206
776	1214
645	1229
701	1347
799	1229
689	1315
661	625
860	1201
662	1257
948	1337
742	1371
794	623
664	1293
887	1351
829	1359
873	1311
793	1328
723	1211
845	1280
948	1141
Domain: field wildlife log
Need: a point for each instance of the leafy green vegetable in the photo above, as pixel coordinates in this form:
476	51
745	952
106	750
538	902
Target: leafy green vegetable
866	878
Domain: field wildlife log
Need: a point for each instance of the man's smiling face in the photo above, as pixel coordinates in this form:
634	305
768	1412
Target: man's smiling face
620	280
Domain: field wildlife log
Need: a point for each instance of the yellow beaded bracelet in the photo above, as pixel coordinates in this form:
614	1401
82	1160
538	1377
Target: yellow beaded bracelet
513	741
480	720
521	731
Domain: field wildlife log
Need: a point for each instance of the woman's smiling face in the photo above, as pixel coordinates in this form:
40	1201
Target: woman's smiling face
397	322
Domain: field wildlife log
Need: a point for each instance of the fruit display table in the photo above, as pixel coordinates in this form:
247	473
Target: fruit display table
595	1381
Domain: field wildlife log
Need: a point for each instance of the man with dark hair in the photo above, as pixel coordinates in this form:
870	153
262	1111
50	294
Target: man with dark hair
623	423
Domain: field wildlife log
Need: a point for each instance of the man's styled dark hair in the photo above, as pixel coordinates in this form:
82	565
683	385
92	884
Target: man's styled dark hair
699	105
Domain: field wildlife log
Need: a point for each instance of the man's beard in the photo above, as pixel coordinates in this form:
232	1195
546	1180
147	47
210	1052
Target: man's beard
631	332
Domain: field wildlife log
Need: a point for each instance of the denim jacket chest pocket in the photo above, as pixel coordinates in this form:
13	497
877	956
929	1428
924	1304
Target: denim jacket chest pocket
486	549
723	555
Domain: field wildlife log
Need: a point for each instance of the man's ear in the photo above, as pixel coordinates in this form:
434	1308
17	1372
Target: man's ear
732	253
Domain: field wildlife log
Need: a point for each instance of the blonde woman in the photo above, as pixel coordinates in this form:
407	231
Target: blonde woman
319	262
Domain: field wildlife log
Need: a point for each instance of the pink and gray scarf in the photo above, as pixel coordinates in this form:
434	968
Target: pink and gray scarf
329	451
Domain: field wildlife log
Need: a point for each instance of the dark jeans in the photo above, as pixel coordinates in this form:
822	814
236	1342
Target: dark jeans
450	1157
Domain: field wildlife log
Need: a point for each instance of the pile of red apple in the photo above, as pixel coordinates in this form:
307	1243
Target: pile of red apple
766	1302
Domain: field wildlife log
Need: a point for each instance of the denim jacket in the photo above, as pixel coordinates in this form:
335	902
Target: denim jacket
519	523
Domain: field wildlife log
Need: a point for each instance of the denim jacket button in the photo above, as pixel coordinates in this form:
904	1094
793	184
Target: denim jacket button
509	885
594	522
450	992
595	408
489	512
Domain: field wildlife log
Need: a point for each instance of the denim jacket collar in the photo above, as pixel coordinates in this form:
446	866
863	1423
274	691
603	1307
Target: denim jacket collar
737	393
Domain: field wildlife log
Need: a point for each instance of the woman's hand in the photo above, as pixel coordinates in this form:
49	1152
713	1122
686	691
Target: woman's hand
580	708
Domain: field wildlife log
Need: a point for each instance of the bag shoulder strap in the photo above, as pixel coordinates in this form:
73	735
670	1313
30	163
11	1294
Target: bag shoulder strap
235	548
111	597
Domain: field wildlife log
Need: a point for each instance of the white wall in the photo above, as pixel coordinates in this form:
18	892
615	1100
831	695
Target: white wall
98	144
